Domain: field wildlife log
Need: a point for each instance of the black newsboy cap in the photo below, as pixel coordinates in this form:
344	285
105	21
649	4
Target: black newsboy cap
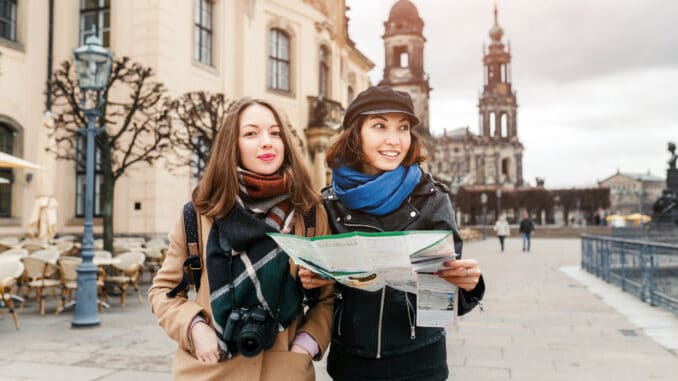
380	100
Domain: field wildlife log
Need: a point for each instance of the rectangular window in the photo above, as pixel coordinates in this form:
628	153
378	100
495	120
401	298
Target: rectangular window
95	18
81	178
279	60
202	32
8	19
6	174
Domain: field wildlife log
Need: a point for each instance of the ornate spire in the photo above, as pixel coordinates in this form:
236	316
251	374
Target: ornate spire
496	32
495	13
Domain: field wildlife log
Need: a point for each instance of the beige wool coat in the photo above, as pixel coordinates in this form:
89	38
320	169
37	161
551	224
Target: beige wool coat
175	315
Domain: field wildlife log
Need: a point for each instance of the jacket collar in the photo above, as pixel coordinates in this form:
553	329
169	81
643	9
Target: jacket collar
397	220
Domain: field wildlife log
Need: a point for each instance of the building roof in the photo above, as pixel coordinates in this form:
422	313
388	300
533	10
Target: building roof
635	176
404	10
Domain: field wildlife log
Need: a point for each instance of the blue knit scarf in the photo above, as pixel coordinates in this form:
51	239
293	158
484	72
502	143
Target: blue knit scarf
375	194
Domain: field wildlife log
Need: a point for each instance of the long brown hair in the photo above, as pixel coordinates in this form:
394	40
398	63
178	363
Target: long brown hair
216	193
348	151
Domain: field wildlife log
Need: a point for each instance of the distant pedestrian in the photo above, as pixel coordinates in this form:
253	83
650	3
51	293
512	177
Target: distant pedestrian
526	229
503	230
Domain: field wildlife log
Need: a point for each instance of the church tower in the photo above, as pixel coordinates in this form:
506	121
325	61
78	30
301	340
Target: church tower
497	109
404	52
497	105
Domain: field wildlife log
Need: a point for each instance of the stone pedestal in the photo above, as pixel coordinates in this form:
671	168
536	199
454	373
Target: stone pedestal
672	180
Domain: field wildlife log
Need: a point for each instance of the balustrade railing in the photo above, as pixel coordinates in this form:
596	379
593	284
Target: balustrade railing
643	268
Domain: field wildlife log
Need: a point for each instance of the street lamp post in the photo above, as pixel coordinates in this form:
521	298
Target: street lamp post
93	66
498	202
483	202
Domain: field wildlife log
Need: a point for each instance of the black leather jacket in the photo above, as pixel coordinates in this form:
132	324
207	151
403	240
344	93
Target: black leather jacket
382	323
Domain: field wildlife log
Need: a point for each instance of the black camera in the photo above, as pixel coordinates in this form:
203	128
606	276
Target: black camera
250	330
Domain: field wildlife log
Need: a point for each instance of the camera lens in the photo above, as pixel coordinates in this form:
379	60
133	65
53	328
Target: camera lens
251	340
249	346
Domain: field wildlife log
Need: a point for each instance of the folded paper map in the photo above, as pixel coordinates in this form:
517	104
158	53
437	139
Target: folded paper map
371	261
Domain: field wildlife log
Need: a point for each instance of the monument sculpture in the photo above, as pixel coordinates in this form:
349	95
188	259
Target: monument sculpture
665	210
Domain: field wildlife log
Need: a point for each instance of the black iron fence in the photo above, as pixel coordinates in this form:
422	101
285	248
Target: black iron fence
643	268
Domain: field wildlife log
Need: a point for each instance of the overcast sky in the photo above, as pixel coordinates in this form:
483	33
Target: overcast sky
596	80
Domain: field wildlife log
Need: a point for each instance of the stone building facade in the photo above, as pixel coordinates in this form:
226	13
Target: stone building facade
633	192
295	53
493	157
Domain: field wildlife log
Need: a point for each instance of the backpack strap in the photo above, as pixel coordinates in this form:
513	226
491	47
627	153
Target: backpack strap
192	267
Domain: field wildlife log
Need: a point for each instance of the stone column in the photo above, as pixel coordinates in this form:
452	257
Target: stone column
318	141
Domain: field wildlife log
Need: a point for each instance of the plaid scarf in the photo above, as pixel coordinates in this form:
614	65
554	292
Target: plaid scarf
245	267
265	196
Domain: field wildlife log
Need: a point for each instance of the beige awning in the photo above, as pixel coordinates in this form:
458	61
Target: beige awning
9	161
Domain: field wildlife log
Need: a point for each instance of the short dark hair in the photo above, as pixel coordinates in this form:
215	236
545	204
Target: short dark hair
347	150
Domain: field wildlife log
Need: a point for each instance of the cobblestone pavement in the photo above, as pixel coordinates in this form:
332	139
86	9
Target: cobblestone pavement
544	319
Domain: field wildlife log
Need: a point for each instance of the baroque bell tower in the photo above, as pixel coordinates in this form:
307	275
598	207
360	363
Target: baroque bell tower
404	58
497	113
497	104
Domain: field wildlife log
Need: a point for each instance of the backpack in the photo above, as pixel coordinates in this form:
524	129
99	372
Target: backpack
193	264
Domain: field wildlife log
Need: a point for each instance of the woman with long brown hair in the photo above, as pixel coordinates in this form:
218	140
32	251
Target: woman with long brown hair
247	320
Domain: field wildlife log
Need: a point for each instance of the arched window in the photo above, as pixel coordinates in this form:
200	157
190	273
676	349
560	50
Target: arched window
480	124
493	124
6	174
350	95
505	166
323	71
401	57
278	60
504	125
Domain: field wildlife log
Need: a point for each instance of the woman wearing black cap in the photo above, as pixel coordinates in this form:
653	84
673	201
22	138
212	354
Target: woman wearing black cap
379	186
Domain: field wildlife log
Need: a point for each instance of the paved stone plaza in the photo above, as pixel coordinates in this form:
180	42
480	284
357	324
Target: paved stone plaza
544	319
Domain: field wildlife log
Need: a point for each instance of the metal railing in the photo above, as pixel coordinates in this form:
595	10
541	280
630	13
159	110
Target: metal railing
663	234
648	270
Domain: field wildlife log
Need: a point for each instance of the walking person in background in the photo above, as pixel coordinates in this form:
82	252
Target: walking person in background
503	230
378	186
526	229
247	321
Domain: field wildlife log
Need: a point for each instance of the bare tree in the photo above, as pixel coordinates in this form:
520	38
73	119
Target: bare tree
134	125
195	119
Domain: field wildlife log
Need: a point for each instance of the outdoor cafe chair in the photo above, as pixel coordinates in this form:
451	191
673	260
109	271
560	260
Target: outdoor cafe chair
68	237
154	259
49	255
18	253
64	248
32	245
69	283
129	267
37	275
10	271
103	254
8	243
